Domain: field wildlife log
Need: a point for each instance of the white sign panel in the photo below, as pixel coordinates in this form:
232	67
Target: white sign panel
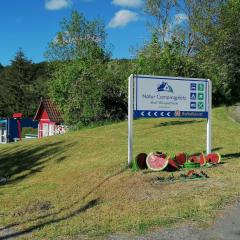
170	97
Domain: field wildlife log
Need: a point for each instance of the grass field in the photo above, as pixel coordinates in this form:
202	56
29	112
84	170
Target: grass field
234	112
77	184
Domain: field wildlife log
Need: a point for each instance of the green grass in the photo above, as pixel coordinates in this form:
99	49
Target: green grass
77	184
29	130
234	112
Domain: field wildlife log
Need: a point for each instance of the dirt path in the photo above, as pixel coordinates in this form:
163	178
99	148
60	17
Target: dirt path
226	227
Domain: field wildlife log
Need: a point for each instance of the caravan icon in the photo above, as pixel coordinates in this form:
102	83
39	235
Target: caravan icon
165	87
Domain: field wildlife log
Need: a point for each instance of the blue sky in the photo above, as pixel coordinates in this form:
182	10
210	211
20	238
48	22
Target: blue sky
32	24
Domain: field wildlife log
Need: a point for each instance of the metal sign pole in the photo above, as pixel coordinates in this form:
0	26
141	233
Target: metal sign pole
130	120
209	122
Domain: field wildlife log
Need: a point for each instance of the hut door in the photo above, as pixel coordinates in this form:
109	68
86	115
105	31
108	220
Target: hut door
45	129
3	135
51	129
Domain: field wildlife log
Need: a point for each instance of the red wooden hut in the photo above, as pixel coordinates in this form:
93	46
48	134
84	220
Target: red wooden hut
50	119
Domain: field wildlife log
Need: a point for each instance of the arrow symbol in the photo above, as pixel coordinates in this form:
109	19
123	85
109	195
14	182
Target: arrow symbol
168	114
142	113
155	114
149	114
162	114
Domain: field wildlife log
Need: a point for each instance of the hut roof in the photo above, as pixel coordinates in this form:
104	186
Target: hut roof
52	110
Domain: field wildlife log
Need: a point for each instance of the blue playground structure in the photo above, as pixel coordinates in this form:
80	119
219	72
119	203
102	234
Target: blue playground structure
10	128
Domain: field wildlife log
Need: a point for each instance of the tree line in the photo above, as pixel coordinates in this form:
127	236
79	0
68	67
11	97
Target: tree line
189	38
22	84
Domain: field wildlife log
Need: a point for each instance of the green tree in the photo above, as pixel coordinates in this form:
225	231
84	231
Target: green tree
77	88
195	47
19	77
81	83
161	11
191	20
168	60
220	54
88	92
115	88
22	85
78	39
6	95
1	67
39	85
226	46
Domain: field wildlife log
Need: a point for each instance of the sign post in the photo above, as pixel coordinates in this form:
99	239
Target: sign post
168	97
209	121
130	119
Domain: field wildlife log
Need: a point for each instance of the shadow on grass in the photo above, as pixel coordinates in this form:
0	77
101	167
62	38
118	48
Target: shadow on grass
24	161
230	155
82	209
237	233
73	213
174	123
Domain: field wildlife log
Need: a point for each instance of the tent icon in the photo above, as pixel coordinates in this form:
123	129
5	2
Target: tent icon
193	96
165	87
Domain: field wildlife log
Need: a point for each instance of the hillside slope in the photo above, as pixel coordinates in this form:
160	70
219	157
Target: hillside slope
77	184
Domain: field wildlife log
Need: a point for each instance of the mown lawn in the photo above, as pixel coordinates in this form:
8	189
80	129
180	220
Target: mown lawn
234	112
77	185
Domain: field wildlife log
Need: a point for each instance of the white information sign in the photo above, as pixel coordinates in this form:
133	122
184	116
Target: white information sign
168	97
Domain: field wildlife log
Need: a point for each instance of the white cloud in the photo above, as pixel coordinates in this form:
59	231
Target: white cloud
122	18
128	3
180	18
57	4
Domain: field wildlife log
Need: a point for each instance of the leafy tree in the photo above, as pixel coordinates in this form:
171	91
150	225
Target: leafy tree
2	92
219	55
6	95
115	88
202	17
226	46
77	88
39	86
194	48
86	85
78	39
22	85
19	76
88	92
188	20
165	60
1	67
161	11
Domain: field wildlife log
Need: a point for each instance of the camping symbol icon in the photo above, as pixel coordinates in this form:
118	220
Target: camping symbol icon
165	87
